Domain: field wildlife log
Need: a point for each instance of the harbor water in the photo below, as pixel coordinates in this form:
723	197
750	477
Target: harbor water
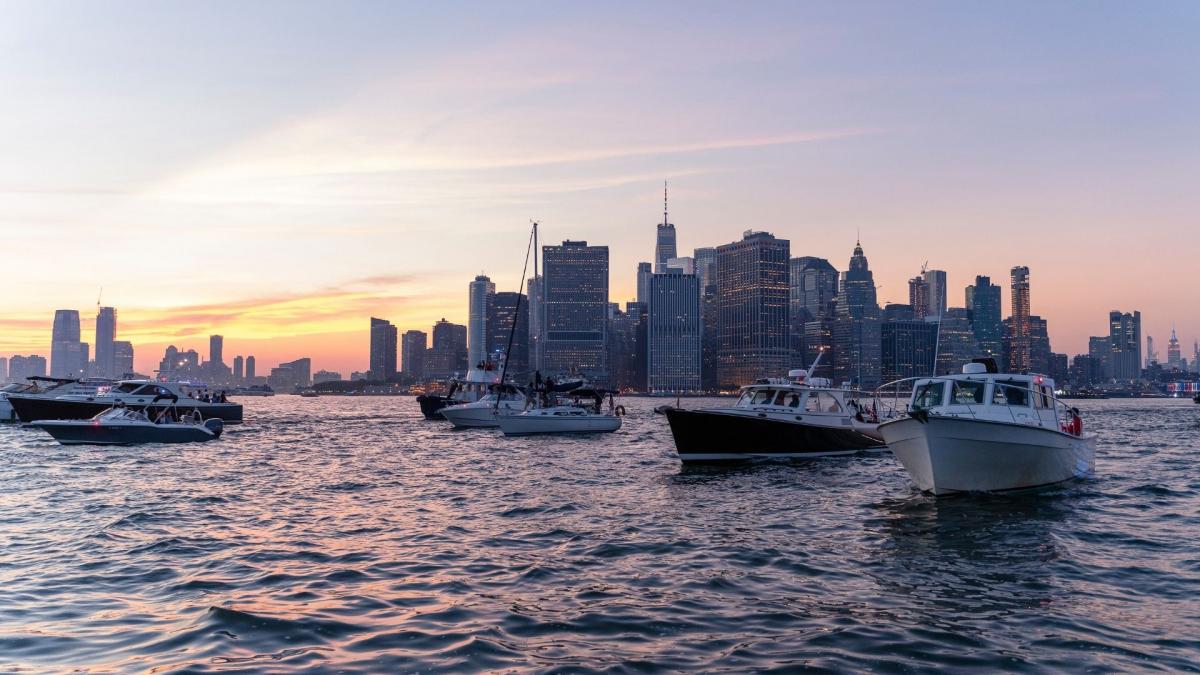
351	535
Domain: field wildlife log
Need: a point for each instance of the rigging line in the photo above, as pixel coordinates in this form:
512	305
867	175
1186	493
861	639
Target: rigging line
516	313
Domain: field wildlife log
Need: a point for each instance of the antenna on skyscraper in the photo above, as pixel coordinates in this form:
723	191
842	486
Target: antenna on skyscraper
98	296
665	223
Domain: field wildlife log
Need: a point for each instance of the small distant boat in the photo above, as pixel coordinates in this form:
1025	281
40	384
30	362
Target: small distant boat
309	393
983	431
1196	398
567	418
126	426
256	390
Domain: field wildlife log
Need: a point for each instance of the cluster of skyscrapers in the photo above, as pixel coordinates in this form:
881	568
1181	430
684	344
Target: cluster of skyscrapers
730	314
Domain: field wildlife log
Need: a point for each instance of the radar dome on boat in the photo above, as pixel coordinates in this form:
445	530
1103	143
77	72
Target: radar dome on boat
798	373
974	369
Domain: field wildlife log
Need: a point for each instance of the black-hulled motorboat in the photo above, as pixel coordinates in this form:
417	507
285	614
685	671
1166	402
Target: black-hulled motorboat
790	418
133	394
125	426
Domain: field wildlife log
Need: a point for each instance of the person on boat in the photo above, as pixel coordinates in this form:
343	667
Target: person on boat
1075	424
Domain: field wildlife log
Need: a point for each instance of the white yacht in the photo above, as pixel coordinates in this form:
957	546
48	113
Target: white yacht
49	387
478	382
794	417
134	394
984	431
585	414
503	400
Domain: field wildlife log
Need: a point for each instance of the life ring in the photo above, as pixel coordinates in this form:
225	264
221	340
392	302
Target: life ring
619	411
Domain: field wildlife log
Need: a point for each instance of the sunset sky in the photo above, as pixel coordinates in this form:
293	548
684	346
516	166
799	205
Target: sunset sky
280	172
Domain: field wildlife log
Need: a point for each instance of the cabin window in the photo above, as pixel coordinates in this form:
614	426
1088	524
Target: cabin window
763	397
791	400
1011	393
822	402
747	397
148	390
928	395
128	387
1043	399
967	393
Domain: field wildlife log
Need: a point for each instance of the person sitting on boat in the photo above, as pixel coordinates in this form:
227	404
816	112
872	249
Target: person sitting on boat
1074	425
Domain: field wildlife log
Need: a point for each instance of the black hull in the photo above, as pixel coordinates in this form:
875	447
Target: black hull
432	404
33	409
713	436
124	435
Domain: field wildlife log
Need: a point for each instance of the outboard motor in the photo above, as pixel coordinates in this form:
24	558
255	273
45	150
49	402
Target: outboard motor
214	425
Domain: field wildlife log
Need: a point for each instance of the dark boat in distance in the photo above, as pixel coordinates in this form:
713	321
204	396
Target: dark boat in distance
791	418
133	394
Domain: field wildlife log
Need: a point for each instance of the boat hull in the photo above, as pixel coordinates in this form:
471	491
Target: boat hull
524	425
32	408
7	414
74	432
947	455
716	436
472	416
432	405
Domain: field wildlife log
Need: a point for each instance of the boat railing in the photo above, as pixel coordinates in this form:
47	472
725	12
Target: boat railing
1059	409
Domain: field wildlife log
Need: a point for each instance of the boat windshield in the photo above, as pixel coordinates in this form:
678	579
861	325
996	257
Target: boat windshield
966	392
928	395
122	414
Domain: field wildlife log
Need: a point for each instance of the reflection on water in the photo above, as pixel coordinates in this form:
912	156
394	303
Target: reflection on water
351	535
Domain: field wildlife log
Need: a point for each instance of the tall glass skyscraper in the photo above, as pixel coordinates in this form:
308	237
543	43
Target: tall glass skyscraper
813	297
412	353
644	270
506	308
935	281
752	309
106	333
706	276
480	294
983	307
66	351
1020	359
1125	346
856	336
673	333
575	309
383	349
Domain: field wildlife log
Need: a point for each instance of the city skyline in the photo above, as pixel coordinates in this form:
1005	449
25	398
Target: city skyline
281	218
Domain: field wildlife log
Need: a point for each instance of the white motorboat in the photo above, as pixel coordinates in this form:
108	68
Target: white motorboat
47	387
984	431
135	394
506	400
478	382
124	426
577	417
796	417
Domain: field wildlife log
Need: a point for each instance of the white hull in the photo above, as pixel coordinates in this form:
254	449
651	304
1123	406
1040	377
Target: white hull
524	424
6	411
481	414
945	455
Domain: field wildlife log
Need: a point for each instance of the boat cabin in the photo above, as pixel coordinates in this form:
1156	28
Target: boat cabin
799	397
1001	397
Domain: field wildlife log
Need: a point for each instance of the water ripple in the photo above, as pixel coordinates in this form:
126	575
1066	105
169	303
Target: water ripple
350	535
